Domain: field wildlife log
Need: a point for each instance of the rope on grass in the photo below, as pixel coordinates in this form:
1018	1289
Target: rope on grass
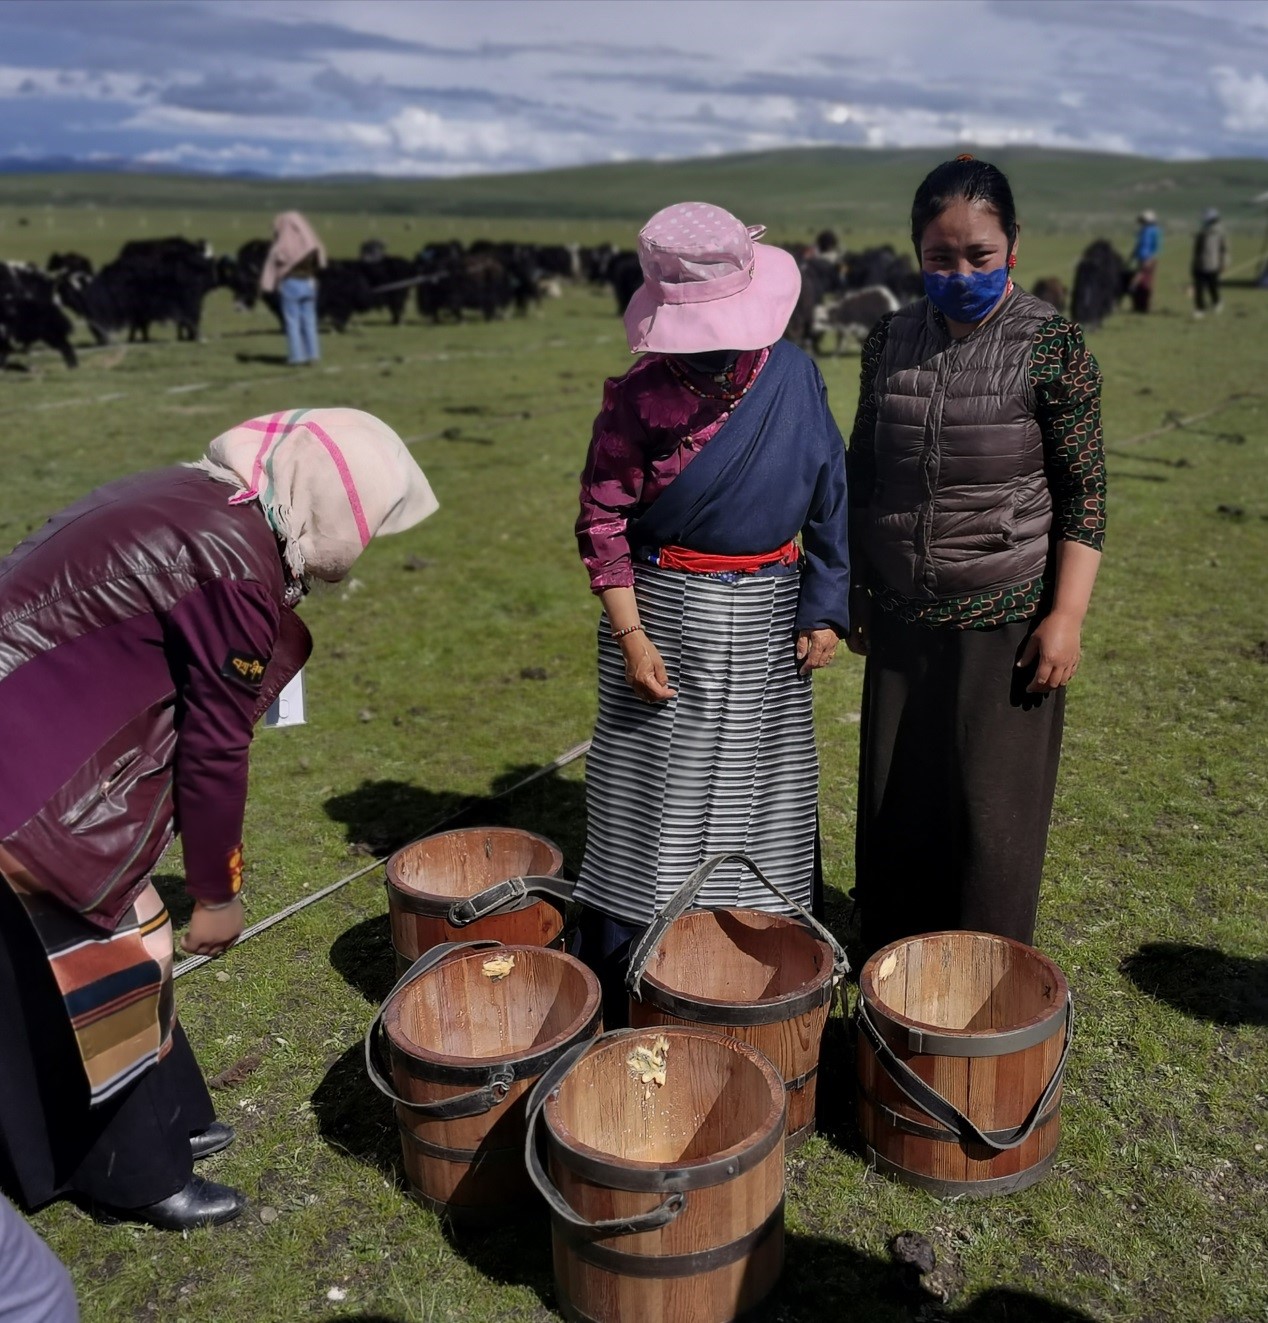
568	756
1174	422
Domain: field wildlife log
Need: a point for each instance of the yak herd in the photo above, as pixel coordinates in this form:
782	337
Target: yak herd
155	281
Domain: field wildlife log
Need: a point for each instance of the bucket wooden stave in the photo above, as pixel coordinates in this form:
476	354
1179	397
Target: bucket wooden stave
763	978
667	1200
426	877
469	1030
962	1044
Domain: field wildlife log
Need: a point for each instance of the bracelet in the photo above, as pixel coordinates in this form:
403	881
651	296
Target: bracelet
222	905
629	629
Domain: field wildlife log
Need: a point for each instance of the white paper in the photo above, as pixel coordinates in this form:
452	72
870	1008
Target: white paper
288	706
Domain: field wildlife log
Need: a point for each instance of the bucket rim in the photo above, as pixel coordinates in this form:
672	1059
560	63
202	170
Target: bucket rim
705	1170
458	1067
809	991
927	1034
397	884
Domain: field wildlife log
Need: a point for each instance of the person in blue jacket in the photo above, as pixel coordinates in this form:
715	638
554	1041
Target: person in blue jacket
1145	259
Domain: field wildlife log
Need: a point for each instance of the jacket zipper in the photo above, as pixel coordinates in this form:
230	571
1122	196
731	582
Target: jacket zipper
142	841
933	436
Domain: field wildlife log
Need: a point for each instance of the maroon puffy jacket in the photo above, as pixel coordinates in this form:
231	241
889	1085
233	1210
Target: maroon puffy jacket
142	635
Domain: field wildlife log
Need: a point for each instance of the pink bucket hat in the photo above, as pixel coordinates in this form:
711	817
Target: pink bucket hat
708	285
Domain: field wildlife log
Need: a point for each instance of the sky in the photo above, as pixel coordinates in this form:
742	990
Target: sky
425	88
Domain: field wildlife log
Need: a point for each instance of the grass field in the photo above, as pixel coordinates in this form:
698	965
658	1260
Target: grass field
461	655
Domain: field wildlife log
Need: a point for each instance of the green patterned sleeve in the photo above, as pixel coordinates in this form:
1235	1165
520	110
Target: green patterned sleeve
1067	385
861	452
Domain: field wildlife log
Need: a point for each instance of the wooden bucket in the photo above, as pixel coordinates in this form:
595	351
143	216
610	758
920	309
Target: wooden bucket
426	877
767	979
469	1029
666	1191
962	1044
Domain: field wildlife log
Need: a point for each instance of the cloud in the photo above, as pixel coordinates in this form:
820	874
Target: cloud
1244	99
188	153
421	132
80	84
235	94
442	88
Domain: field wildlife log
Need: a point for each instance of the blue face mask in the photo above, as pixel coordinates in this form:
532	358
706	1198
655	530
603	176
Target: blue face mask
966	298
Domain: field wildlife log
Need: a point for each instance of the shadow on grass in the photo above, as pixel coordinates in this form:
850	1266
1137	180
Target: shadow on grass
366	1318
272	360
835	1101
819	1274
354	1118
381	816
1202	982
364	956
171	889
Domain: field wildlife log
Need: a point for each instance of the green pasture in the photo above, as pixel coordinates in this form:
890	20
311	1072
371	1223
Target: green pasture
460	655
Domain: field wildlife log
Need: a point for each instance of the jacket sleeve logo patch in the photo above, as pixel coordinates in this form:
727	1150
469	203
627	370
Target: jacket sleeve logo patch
235	869
243	666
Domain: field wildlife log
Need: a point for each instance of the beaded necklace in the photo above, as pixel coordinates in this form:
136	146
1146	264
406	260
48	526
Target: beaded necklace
727	396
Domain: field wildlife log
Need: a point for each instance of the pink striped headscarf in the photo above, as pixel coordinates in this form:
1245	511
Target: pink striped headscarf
327	479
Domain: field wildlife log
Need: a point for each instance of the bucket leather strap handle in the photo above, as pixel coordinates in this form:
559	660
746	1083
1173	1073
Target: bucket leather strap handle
477	1101
678	904
946	1113
659	1216
507	895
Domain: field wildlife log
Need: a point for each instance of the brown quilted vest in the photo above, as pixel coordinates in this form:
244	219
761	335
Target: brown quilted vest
961	503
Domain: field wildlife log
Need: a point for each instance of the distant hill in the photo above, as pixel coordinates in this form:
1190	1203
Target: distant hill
809	187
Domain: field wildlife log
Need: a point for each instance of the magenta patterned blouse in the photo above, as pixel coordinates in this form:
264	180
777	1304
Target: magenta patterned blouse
650	428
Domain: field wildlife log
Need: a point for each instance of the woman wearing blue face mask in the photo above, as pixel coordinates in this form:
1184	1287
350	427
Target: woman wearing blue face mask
977	491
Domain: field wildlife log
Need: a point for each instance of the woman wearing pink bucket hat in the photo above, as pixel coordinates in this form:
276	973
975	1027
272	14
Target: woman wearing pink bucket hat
713	527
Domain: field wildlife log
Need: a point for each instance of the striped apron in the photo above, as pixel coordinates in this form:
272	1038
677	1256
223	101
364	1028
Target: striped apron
116	986
728	765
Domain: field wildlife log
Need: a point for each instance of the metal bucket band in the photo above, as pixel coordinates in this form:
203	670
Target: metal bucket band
928	1041
982	1189
472	1216
800	1082
922	1095
702	1261
897	1121
429	906
472	1157
775	1011
659	1180
794	1139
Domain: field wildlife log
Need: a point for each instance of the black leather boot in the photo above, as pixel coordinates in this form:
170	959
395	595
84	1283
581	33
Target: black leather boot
217	1136
200	1204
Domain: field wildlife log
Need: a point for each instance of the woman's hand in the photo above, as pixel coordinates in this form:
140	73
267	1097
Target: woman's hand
1056	645
816	648
213	931
859	639
645	669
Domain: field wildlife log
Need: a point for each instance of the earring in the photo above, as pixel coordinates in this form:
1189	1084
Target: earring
1012	260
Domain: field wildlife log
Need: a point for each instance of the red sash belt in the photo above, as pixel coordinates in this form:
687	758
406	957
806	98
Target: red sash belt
702	562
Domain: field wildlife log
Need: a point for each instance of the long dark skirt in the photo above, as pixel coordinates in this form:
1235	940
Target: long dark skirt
956	780
129	1151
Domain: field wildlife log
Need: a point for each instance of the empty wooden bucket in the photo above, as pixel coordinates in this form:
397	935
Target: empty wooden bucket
426	877
469	1029
962	1045
767	979
664	1174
